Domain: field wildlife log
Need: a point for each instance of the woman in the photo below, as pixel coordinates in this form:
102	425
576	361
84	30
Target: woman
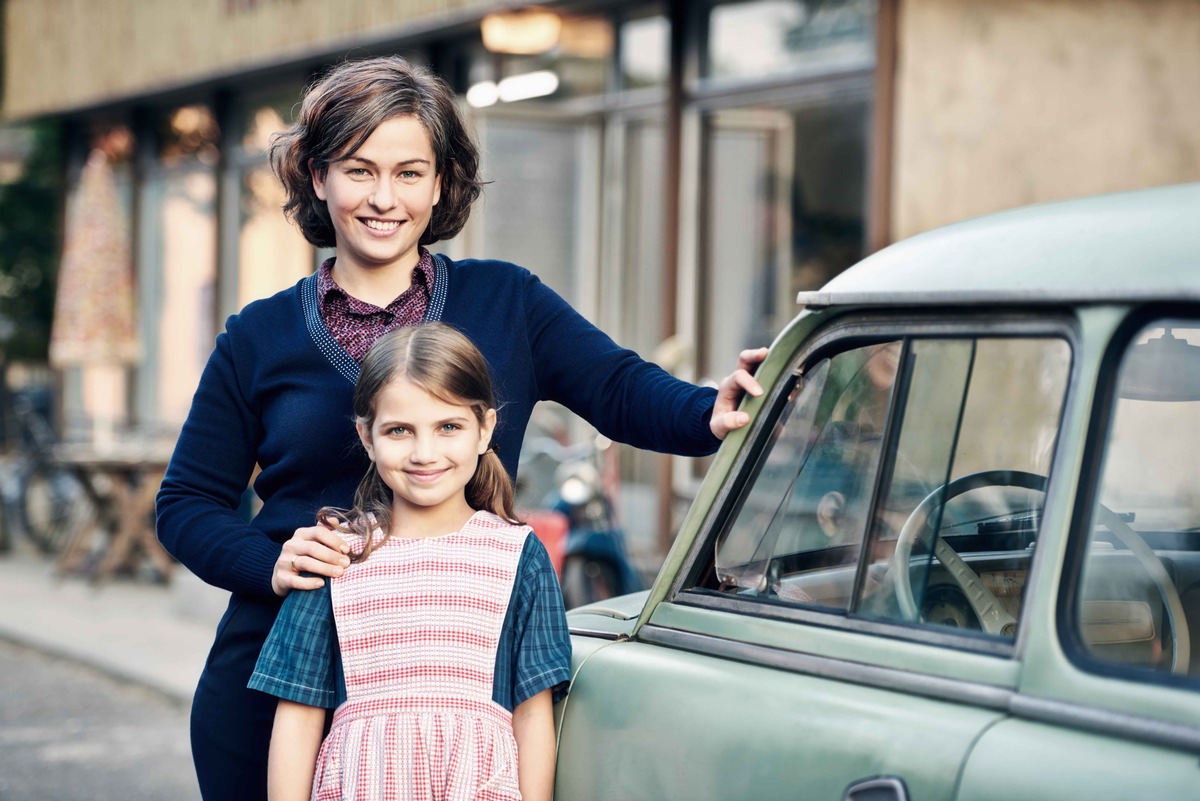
377	165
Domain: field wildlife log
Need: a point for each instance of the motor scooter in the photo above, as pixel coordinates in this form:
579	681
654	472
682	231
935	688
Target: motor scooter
577	523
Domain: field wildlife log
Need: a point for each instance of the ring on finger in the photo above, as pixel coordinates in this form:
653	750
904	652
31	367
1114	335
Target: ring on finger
294	568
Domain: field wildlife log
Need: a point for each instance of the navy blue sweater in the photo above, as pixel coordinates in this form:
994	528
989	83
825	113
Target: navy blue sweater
277	392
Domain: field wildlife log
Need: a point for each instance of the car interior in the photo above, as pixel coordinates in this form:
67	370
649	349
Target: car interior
904	481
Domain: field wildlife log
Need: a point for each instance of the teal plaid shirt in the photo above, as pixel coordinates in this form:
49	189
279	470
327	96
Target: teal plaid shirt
301	661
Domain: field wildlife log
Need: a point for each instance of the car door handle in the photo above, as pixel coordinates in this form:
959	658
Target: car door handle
877	788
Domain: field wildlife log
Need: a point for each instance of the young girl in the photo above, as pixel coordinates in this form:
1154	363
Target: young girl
449	623
378	165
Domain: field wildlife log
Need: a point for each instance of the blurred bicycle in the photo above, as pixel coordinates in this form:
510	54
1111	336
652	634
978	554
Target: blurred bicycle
43	499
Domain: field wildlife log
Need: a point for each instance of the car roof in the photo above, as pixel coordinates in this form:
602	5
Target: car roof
1139	245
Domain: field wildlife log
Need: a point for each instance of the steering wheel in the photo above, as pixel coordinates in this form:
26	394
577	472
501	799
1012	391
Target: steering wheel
1181	638
993	617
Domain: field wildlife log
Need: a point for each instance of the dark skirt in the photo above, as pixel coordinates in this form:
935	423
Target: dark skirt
231	725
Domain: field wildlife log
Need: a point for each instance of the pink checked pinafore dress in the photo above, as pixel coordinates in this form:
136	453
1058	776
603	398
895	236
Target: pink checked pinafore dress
419	624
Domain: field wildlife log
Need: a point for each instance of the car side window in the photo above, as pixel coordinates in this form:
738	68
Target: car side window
810	500
956	523
904	481
1137	600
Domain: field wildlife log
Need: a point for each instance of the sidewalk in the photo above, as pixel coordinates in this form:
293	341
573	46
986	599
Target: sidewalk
150	634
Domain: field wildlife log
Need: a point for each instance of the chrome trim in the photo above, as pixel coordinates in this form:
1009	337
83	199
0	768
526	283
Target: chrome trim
576	631
820	299
922	633
1105	722
953	690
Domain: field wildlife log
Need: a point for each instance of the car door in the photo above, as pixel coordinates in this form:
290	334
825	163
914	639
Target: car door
779	656
1108	706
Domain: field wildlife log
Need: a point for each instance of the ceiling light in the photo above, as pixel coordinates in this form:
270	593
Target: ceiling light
483	94
528	85
521	32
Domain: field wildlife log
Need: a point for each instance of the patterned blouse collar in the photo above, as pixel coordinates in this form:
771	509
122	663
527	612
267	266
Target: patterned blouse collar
422	281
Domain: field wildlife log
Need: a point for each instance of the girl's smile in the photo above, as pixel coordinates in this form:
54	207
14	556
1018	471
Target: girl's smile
425	476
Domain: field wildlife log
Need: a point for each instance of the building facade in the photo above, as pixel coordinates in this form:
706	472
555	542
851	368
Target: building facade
677	170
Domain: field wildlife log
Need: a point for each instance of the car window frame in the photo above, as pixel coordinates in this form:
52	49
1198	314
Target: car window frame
1101	418
844	331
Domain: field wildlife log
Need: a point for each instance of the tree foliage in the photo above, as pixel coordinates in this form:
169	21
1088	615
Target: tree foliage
30	244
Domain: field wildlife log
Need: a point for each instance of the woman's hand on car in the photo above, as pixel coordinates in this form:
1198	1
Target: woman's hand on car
318	550
725	416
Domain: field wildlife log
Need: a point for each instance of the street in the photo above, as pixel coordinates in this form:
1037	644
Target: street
68	733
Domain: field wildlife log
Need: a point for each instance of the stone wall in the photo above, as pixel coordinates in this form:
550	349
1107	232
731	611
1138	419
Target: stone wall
1006	102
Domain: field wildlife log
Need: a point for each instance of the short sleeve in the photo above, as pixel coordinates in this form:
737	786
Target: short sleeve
300	660
541	656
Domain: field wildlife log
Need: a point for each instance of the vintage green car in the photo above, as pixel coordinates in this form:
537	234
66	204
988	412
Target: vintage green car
956	554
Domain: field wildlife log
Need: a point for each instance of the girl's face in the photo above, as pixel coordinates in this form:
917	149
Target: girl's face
381	197
426	451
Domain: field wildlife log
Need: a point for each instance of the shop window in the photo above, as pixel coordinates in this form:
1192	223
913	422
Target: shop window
645	40
178	262
540	57
577	195
530	213
94	339
784	174
789	36
641	306
263	118
272	254
784	212
188	134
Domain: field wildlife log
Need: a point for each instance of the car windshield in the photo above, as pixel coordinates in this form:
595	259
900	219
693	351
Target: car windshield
1157	489
1139	575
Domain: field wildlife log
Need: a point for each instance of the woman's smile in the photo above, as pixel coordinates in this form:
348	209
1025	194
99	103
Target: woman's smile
383	227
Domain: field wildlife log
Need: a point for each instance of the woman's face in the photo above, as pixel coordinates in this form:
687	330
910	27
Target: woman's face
381	196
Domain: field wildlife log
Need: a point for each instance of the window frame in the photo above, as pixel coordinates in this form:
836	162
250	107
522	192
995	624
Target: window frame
843	333
1100	422
707	86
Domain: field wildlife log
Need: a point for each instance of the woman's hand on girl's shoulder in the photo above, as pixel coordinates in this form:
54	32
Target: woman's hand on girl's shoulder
725	416
319	550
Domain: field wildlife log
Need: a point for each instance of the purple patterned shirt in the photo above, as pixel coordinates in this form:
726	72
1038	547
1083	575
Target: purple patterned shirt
356	324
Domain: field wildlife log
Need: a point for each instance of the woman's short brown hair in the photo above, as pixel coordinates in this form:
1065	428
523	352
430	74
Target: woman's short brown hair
343	108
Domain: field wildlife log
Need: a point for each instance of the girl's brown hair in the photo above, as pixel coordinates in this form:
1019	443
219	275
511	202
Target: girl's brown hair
447	365
343	108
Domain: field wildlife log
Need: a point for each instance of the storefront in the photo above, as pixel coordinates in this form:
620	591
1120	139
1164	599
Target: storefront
677	170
